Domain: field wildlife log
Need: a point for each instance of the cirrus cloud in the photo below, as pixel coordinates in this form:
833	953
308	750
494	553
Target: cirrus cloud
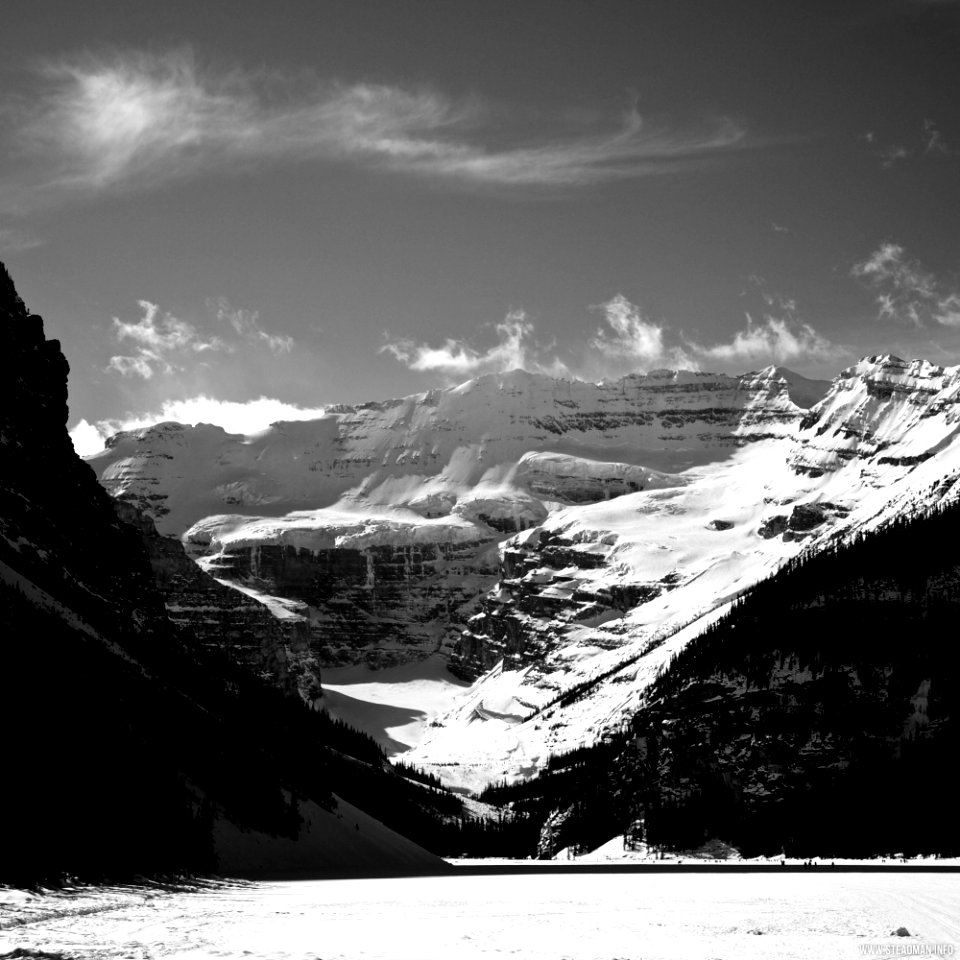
138	119
906	291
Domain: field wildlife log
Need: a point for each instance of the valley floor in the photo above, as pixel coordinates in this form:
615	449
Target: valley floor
582	916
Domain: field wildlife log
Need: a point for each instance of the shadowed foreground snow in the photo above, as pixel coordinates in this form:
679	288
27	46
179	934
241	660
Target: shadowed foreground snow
596	916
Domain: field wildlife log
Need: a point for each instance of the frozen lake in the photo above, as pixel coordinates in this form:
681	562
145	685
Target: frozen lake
764	915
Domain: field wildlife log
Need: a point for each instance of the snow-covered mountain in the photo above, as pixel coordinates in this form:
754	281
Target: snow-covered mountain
557	540
380	522
424	453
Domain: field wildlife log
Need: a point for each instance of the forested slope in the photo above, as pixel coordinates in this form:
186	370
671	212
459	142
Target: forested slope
818	717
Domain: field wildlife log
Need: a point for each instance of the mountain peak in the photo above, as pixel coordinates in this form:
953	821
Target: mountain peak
803	391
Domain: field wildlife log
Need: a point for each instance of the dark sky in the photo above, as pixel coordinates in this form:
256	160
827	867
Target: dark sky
335	201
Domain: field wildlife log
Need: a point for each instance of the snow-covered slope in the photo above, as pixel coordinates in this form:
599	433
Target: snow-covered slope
591	604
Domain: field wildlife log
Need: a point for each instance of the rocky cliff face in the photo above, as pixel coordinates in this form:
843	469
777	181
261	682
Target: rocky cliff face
50	503
275	646
367	590
381	604
883	412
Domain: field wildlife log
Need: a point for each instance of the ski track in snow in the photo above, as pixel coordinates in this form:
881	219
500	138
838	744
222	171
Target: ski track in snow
541	917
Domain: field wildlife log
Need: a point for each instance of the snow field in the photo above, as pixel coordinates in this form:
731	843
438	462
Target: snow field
395	705
560	916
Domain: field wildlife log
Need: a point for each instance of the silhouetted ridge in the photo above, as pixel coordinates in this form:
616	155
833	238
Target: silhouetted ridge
10	303
130	741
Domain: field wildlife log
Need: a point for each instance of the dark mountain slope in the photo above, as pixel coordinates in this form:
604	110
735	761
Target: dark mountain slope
127	741
822	715
819	717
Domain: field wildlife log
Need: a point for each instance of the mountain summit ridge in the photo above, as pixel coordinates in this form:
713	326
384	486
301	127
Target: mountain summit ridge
461	433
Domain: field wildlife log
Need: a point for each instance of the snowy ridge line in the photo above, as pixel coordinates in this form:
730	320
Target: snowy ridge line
426	451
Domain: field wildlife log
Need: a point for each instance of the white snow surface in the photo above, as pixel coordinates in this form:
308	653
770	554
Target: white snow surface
584	916
396	704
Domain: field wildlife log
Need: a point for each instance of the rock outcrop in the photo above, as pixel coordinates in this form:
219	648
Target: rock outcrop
882	412
274	646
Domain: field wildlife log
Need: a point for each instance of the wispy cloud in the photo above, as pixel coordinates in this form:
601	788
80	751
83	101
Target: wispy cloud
15	241
932	139
164	343
139	119
779	335
891	154
780	339
905	291
159	339
630	338
515	348
929	143
627	341
246	323
246	417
